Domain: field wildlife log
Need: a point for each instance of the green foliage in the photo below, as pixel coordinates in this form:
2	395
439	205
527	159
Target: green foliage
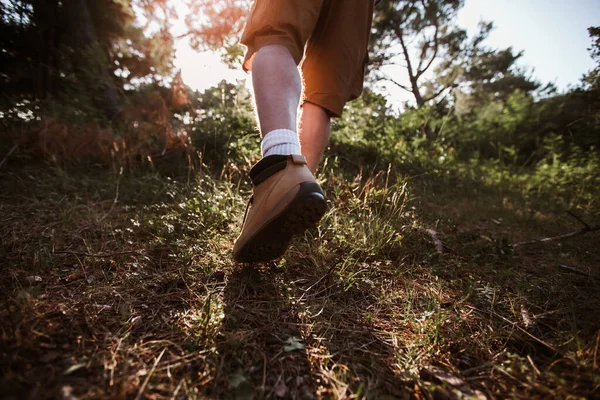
367	217
592	79
428	39
78	53
491	76
572	176
225	129
546	148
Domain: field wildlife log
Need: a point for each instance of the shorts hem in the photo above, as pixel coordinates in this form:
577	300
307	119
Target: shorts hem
334	109
259	43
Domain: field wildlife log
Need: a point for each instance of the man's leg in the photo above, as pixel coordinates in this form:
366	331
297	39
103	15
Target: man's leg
314	131
277	88
286	199
333	70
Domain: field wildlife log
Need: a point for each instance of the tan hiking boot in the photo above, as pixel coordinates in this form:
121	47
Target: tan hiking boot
286	200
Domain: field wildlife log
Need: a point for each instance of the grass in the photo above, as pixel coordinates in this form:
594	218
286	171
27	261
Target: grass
121	285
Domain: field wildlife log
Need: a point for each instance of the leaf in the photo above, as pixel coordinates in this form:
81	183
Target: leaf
74	368
281	389
293	343
433	374
33	279
241	387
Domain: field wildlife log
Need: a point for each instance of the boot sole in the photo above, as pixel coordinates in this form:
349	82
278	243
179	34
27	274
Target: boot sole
272	240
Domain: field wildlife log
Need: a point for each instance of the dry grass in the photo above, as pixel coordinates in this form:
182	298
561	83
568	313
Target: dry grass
139	298
146	137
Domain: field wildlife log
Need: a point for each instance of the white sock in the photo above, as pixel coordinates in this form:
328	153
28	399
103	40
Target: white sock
280	141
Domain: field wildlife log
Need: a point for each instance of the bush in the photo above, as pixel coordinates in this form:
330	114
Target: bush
225	130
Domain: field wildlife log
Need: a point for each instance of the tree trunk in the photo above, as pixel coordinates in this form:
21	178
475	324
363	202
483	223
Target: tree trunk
414	86
411	74
91	57
414	78
45	17
415	91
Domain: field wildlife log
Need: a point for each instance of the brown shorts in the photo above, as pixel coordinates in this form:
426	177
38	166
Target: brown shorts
330	37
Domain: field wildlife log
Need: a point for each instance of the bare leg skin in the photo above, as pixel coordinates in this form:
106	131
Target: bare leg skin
314	131
277	88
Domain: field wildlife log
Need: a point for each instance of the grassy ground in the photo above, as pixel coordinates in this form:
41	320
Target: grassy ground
121	285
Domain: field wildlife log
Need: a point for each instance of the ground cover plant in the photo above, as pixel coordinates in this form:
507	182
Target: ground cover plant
120	284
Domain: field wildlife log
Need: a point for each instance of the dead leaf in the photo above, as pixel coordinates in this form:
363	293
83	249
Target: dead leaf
293	343
74	368
33	279
437	374
281	389
242	388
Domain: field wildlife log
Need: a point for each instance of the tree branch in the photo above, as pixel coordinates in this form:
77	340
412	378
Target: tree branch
580	232
435	51
401	86
413	80
399	34
439	92
573	270
578	219
99	255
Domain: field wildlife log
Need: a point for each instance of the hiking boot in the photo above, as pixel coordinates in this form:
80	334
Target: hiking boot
286	200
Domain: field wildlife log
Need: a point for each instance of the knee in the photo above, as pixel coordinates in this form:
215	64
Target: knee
272	54
316	111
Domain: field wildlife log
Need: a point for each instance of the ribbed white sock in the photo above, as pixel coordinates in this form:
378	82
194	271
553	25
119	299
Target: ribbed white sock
280	141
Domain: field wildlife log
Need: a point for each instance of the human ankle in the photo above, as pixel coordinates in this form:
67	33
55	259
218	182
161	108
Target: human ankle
280	141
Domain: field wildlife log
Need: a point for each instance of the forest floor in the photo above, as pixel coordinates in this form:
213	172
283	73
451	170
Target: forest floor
121	285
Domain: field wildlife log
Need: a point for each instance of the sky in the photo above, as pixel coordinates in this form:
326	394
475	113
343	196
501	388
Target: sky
551	33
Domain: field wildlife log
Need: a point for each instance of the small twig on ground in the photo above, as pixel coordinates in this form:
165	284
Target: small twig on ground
439	245
573	270
139	395
596	350
535	368
116	199
586	229
176	391
516	325
99	255
310	287
8	155
585	225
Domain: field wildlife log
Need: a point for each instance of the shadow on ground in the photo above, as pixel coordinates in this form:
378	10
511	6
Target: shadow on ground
260	346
